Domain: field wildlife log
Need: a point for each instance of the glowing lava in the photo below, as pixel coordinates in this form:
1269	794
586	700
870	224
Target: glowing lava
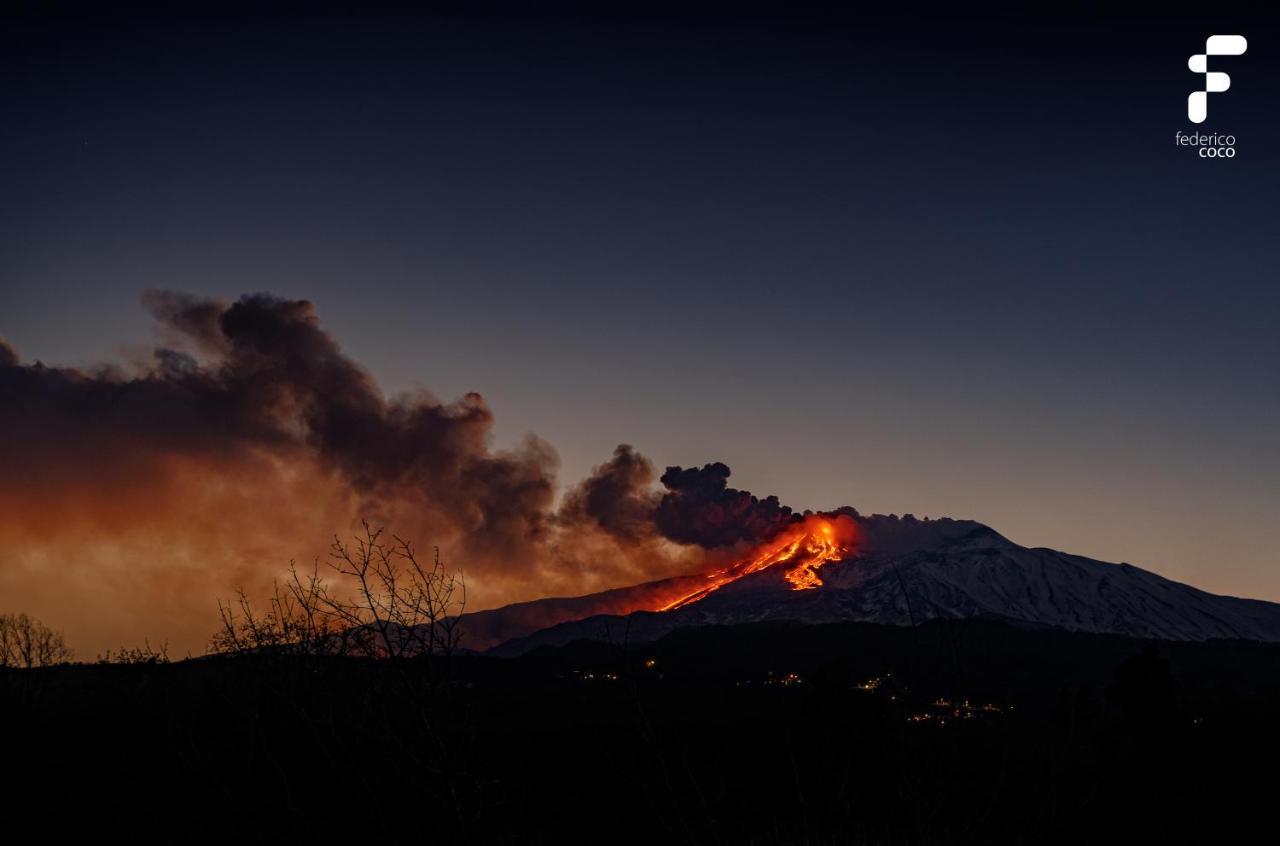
802	550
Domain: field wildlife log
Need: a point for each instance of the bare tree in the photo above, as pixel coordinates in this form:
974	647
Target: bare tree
295	620
375	599
382	602
26	642
411	608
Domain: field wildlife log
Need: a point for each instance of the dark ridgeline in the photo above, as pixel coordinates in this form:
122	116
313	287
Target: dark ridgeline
955	731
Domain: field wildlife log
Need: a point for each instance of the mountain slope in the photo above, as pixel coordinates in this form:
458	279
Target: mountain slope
906	571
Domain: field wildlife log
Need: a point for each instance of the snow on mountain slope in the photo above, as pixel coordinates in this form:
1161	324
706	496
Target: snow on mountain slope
907	571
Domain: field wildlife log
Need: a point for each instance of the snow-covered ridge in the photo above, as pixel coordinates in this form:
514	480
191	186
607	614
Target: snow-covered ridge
908	571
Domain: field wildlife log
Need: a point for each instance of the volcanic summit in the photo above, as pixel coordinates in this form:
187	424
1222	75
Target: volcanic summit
845	567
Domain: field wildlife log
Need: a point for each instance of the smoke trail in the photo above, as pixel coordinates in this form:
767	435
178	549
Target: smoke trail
129	500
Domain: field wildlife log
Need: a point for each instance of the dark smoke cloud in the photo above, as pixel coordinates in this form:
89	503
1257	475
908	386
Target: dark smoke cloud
249	438
246	441
277	382
618	497
189	319
700	508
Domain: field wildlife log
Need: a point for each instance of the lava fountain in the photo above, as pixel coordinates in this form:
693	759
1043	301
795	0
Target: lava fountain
802	550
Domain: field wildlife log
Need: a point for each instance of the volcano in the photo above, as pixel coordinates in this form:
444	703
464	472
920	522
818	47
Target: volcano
901	571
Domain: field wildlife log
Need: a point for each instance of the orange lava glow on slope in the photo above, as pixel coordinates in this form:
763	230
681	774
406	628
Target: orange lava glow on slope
802	550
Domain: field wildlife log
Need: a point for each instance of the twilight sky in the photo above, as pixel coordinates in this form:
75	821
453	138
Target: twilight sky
947	266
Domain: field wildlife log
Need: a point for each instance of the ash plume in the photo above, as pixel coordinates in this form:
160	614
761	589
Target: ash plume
131	499
278	384
617	497
700	508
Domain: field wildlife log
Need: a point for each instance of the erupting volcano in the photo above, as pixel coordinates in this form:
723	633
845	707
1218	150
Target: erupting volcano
846	567
802	550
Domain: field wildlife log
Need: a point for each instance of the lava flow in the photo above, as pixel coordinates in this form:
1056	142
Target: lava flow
802	550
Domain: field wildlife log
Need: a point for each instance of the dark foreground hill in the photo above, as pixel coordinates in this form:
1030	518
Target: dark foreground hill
951	732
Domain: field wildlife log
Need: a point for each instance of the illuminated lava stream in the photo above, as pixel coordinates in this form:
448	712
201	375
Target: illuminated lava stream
802	550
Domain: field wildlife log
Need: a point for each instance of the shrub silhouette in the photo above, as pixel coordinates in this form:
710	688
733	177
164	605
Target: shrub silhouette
26	642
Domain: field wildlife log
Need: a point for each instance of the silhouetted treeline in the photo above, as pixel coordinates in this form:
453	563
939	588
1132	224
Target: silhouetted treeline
773	733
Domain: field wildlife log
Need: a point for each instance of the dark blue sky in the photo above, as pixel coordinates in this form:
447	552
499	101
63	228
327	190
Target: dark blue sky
949	266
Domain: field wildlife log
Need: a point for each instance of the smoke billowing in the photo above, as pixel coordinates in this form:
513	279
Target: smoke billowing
617	497
250	438
700	508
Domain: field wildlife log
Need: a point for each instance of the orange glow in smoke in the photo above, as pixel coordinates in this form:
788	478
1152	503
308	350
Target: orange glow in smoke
802	550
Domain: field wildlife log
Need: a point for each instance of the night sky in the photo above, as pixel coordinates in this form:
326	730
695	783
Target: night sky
940	265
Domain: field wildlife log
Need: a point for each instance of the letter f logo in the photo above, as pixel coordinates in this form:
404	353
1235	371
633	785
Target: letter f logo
1217	82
